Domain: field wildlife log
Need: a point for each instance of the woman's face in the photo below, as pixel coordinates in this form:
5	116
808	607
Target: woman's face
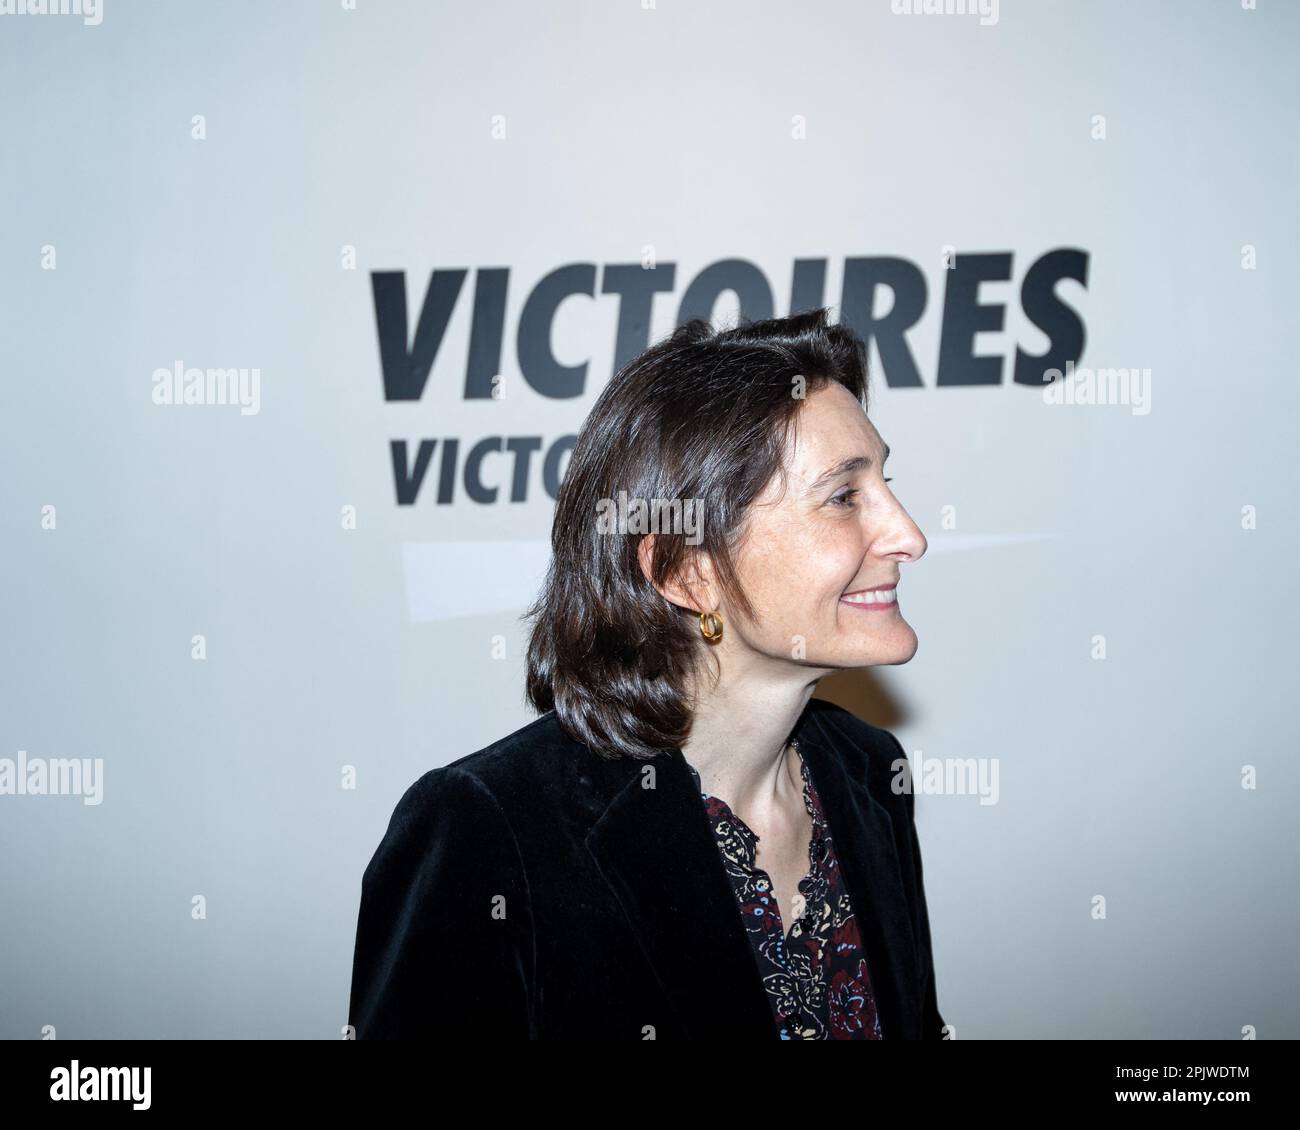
822	555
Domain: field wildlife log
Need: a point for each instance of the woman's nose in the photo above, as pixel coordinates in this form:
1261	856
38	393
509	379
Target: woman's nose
901	535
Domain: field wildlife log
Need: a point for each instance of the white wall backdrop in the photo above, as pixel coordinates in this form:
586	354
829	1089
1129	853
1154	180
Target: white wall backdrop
1107	612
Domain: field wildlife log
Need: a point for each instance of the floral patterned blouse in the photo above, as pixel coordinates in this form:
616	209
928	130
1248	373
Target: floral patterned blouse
815	974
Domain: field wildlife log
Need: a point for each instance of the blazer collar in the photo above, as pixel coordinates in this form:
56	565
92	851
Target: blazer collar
653	846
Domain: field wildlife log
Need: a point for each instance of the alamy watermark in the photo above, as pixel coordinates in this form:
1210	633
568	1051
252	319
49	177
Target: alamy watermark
53	776
90	11
1099	386
948	776
651	516
987	10
179	385
76	1083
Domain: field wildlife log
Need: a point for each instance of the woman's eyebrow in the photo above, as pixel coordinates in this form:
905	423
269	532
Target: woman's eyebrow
844	467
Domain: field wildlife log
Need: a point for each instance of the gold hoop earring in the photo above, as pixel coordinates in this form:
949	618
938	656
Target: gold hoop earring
711	626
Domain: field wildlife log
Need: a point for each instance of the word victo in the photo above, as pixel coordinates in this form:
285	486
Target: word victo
516	451
650	516
105	1084
91	11
60	776
1099	386
987	10
179	385
951	776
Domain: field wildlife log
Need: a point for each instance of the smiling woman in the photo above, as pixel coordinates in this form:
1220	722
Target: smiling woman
684	844
767	426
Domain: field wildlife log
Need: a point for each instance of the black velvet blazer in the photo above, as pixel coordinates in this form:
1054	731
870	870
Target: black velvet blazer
534	890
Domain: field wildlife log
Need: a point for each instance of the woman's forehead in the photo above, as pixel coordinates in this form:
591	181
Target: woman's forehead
831	428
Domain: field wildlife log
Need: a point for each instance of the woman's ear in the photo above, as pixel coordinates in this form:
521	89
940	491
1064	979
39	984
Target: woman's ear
694	594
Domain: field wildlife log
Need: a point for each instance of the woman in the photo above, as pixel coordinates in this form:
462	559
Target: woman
685	844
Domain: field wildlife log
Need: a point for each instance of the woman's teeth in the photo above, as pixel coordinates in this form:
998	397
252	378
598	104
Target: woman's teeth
880	596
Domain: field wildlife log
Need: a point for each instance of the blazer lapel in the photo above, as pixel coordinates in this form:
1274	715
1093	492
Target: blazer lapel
654	848
862	832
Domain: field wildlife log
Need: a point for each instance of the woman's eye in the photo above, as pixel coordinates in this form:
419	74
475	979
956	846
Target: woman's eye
889	480
843	498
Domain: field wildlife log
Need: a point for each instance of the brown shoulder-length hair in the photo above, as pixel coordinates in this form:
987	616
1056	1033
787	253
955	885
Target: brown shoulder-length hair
702	415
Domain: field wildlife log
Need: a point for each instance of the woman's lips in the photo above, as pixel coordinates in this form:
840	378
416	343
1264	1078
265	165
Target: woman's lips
872	600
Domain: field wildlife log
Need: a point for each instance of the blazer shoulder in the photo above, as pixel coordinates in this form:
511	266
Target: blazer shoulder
501	775
440	800
492	759
447	861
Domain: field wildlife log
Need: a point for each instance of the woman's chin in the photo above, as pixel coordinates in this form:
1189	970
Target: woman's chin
885	648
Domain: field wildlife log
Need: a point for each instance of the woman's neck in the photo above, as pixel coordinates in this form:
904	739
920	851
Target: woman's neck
738	739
